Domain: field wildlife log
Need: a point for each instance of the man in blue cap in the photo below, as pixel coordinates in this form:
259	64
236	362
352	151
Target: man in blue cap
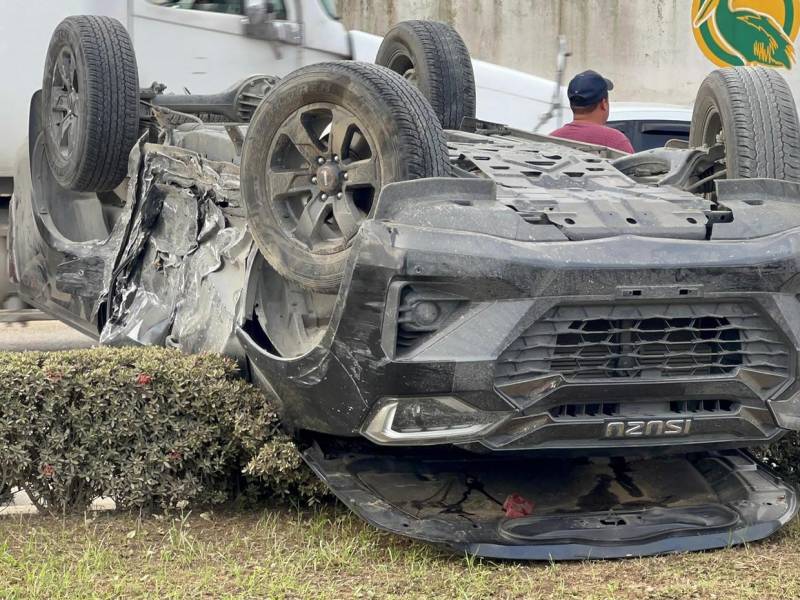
588	99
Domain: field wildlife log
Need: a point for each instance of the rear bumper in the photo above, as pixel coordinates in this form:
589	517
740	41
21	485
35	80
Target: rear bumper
579	509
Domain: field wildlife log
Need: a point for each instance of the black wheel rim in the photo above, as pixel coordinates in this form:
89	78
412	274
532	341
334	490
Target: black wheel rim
410	76
65	102
404	66
712	129
323	175
713	135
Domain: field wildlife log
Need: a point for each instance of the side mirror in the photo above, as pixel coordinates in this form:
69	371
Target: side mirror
258	12
267	20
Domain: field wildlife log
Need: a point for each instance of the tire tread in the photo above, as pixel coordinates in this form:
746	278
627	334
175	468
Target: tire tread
765	123
112	102
421	152
451	81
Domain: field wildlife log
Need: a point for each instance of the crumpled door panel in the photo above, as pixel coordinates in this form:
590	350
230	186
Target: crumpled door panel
184	265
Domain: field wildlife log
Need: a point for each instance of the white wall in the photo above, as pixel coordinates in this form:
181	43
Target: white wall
645	46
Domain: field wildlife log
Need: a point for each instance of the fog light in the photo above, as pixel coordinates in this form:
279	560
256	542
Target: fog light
428	420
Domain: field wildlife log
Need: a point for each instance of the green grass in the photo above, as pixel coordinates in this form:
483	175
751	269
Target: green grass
327	553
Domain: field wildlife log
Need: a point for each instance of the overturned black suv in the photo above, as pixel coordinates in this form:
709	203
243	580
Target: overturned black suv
513	345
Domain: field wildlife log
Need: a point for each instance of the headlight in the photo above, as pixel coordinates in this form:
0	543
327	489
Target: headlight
428	420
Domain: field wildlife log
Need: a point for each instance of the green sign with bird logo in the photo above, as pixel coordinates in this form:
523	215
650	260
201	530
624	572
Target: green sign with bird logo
747	32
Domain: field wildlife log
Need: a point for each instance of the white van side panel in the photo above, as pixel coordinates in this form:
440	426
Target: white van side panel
25	29
207	52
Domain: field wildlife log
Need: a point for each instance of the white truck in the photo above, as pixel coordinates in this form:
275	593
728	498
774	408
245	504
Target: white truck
200	46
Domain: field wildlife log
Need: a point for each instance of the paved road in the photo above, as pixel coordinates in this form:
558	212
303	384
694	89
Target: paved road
20	504
41	335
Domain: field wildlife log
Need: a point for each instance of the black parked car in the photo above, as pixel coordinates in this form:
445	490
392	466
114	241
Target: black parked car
509	344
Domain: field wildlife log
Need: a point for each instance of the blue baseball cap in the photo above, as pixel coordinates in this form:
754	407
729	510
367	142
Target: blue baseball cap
588	88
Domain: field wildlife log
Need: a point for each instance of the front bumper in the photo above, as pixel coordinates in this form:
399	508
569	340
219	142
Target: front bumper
492	287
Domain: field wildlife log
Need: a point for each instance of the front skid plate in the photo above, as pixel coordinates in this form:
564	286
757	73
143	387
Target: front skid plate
582	508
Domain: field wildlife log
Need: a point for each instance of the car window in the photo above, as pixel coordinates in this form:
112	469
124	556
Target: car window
331	7
221	6
234	7
645	135
655	134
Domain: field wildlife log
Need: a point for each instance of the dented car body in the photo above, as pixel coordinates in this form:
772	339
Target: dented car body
481	318
507	344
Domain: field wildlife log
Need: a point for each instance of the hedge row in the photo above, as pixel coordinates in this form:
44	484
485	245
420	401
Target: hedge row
153	428
149	427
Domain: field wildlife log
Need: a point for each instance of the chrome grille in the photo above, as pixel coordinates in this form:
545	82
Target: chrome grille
645	341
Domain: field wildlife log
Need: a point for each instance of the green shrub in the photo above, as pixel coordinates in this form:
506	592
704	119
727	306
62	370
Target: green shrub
148	427
783	457
154	428
279	467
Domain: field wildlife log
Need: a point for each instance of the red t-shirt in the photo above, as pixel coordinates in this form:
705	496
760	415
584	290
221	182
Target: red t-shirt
592	133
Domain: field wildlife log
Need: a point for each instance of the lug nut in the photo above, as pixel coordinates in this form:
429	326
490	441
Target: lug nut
321	160
314	180
345	175
324	196
335	158
339	195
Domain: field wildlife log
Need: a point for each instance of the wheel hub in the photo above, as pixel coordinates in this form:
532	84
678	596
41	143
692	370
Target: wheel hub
323	175
64	103
329	177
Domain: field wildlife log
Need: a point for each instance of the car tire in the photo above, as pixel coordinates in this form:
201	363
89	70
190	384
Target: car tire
307	191
90	101
433	57
751	111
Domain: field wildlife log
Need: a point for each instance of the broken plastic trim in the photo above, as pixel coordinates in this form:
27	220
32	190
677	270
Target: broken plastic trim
428	420
573	508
